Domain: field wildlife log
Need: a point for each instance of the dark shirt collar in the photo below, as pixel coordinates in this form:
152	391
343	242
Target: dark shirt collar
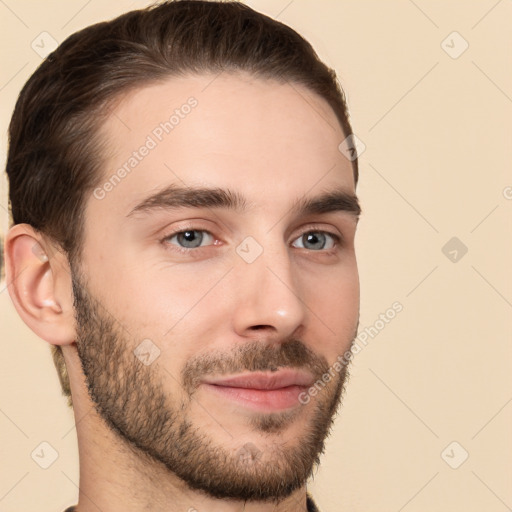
309	501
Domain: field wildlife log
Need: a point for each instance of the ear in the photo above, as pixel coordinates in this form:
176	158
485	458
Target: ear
38	277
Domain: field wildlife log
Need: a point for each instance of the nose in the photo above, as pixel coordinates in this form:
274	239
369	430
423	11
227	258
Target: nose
268	296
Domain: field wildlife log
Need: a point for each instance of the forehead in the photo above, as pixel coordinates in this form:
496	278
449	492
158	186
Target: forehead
265	139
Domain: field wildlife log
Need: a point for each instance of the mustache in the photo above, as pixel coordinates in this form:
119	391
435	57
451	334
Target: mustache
252	357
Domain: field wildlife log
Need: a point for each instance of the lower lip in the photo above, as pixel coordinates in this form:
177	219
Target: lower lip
261	399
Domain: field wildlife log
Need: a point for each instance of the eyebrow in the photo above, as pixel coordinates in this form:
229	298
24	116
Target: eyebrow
176	197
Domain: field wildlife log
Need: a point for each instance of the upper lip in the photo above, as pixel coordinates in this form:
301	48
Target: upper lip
265	380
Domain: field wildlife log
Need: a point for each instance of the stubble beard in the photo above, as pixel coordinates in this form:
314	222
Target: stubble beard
133	402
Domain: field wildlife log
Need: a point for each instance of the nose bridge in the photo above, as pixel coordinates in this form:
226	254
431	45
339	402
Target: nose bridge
268	289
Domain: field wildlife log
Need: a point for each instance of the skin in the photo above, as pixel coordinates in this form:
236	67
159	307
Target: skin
208	311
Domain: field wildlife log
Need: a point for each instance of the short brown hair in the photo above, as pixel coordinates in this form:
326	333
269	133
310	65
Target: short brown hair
54	157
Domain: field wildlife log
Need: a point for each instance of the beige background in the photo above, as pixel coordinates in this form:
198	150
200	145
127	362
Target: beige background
437	165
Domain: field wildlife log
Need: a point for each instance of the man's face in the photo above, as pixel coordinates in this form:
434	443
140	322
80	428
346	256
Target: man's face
215	292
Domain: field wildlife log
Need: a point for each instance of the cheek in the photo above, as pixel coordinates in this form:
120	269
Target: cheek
175	309
334	302
335	287
146	294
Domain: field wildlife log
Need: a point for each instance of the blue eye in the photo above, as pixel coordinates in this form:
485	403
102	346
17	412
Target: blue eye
316	238
191	238
186	240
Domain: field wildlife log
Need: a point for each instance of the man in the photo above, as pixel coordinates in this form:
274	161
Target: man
183	237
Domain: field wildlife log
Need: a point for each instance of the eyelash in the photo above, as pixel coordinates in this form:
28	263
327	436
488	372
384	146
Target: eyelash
338	240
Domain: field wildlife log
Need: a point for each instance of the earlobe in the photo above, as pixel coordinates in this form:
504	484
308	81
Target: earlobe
33	269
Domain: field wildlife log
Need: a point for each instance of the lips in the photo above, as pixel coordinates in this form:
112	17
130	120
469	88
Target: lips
265	381
262	391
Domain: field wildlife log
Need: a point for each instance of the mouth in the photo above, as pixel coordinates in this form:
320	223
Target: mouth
262	391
